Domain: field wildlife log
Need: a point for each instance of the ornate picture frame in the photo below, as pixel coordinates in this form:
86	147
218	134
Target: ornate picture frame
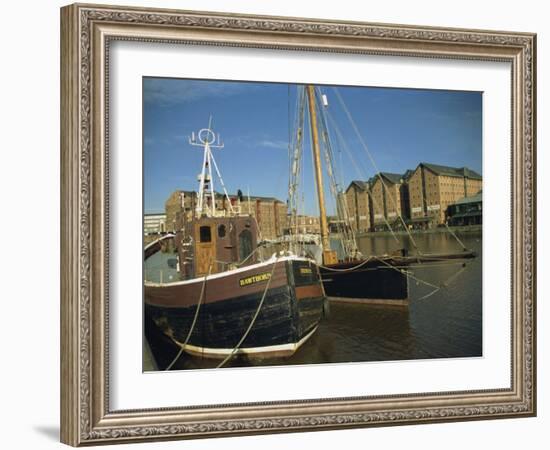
86	34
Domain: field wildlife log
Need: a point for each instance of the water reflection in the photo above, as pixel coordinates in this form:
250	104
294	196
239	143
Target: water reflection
440	323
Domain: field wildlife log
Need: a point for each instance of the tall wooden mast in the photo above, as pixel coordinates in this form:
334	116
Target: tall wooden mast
329	256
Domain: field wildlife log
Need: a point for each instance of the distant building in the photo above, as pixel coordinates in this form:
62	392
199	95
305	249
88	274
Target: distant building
178	202
358	205
306	225
466	211
270	212
432	188
388	192
154	223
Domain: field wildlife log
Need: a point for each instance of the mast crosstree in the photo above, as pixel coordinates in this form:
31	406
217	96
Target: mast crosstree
207	139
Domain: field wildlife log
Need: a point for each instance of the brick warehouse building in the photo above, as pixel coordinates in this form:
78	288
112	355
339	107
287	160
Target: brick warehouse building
388	191
421	196
432	188
270	212
358	205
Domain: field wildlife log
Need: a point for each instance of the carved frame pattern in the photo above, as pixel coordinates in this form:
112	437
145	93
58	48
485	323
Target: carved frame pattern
86	418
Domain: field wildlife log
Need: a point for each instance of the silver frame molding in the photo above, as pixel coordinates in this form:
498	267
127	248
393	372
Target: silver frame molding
86	31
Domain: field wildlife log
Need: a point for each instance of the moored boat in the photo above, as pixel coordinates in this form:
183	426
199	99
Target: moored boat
348	276
372	281
227	300
272	306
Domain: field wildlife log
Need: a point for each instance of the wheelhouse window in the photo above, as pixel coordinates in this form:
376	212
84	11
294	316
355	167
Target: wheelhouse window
205	234
221	231
245	244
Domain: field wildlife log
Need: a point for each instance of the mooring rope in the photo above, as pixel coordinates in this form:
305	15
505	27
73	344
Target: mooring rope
203	289
256	314
456	237
445	284
256	250
405	272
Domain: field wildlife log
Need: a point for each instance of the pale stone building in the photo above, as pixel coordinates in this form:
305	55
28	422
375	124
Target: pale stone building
154	223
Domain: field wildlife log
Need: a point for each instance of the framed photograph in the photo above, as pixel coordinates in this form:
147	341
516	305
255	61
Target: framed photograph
276	224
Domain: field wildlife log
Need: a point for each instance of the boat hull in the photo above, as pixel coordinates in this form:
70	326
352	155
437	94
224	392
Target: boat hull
288	315
370	282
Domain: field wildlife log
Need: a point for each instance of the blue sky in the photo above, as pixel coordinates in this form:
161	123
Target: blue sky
401	128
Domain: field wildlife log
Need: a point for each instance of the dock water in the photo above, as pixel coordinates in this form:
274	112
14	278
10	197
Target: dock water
445	325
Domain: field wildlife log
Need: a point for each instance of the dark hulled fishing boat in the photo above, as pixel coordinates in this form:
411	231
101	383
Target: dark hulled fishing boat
227	300
287	288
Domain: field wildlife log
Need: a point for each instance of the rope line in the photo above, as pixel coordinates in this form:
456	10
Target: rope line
455	236
245	335
363	143
359	172
406	273
203	289
445	284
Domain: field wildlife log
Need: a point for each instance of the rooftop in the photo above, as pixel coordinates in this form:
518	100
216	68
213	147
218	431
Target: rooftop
394	178
244	196
362	185
472	199
452	171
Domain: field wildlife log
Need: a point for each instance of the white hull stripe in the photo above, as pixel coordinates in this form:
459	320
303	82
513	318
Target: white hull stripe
227	273
221	352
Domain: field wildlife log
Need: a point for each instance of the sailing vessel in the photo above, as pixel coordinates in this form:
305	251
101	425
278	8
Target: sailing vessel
375	279
228	301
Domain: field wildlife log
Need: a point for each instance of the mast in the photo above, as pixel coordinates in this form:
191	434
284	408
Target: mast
207	140
329	256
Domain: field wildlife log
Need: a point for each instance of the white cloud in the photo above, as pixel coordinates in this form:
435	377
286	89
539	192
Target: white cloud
276	144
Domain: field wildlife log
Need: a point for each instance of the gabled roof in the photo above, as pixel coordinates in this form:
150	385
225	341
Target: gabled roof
394	178
408	173
361	185
448	171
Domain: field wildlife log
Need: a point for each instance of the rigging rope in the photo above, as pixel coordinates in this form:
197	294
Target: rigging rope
445	284
437	288
360	173
228	357
455	236
203	289
405	272
295	167
363	143
346	232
